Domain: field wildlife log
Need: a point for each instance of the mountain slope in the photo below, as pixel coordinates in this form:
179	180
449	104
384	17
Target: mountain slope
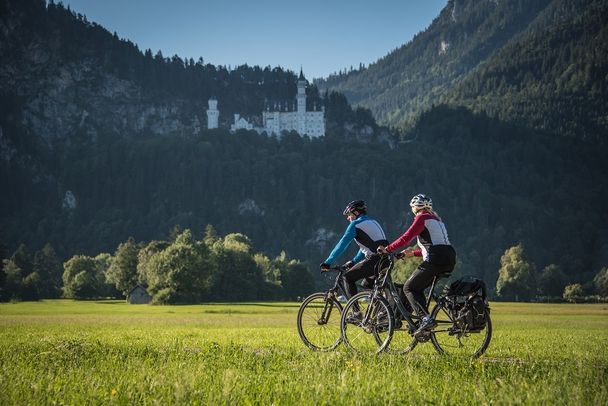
552	77
67	77
481	45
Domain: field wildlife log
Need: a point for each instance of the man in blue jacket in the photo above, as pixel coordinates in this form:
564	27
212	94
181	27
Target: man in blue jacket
368	234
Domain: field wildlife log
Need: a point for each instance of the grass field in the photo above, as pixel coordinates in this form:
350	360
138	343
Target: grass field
65	352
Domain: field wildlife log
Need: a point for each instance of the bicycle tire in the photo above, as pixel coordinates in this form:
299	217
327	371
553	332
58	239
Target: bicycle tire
318	334
402	341
376	335
457	342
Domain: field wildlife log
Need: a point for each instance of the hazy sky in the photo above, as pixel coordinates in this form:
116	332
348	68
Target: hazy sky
321	36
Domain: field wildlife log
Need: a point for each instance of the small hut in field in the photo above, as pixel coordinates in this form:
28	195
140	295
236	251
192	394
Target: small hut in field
139	295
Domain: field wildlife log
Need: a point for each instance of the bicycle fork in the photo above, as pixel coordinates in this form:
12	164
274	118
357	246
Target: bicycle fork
367	326
327	308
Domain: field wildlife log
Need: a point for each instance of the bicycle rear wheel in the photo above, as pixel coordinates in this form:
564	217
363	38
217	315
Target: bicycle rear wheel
450	339
367	326
319	322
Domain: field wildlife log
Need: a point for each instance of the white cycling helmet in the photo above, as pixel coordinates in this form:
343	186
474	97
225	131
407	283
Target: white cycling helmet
421	202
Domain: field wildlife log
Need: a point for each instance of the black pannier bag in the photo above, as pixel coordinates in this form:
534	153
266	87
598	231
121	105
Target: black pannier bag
467	302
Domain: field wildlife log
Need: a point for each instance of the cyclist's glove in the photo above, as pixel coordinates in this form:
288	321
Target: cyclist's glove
324	267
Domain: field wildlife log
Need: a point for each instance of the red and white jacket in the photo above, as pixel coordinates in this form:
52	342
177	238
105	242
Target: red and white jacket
433	243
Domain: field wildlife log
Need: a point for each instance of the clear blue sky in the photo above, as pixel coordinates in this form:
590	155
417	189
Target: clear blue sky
321	36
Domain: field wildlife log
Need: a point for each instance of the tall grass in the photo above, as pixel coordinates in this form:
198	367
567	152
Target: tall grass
64	352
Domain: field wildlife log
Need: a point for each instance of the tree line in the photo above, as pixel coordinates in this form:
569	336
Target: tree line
520	280
180	269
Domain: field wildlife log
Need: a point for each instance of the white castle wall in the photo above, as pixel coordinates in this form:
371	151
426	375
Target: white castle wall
311	123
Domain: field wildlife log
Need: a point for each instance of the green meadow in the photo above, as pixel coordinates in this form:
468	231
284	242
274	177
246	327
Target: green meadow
109	352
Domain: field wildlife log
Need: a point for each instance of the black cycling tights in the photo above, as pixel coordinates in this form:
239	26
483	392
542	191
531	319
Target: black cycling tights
421	279
363	269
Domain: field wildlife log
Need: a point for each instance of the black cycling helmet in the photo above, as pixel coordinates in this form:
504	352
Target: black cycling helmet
355	205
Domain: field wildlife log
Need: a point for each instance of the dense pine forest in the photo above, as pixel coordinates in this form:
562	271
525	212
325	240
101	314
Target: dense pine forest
539	63
100	142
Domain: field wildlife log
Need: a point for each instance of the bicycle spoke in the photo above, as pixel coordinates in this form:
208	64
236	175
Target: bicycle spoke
369	329
454	340
402	341
317	334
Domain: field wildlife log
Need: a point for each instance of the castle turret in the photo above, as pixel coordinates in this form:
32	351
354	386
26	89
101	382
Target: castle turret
301	99
213	114
301	96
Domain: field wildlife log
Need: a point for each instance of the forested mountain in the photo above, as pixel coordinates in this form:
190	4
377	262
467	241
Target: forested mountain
64	75
540	63
99	141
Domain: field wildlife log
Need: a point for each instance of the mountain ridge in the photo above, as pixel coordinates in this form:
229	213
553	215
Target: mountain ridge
419	74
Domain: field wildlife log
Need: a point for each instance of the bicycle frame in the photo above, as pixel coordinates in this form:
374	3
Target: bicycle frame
387	284
331	293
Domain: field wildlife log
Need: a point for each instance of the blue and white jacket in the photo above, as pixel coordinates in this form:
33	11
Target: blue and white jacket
366	232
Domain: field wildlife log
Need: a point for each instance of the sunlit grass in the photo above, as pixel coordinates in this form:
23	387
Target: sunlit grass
101	352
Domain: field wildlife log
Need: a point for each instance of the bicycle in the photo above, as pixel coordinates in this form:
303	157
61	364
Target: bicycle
371	319
319	316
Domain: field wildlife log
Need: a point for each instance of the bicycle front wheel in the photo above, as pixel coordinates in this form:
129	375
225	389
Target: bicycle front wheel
451	339
319	322
402	341
367	325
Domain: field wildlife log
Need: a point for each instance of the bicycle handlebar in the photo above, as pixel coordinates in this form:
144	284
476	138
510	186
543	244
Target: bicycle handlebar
334	268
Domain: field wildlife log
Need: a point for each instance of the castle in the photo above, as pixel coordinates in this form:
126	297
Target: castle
275	121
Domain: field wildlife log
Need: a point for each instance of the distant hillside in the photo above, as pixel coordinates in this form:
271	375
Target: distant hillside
541	63
63	77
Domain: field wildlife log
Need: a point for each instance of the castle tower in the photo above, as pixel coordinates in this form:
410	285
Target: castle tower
301	98
213	114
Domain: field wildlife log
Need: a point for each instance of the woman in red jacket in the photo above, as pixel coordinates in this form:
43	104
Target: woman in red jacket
438	256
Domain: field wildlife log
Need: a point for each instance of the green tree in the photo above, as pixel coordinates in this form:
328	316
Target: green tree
210	235
103	262
122	273
48	266
13	280
30	287
296	279
552	281
515	276
180	273
84	277
143	259
573	292
601	282
270	272
236	275
23	259
17	284
3	256
79	281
